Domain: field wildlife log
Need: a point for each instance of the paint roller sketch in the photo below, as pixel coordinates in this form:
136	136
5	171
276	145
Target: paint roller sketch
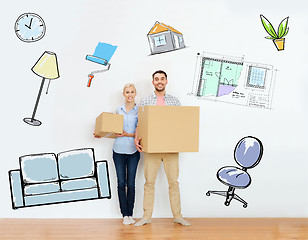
103	53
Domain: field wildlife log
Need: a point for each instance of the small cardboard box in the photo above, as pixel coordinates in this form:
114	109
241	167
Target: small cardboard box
108	124
168	128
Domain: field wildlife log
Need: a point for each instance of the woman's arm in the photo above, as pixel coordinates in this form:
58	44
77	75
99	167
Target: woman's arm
125	134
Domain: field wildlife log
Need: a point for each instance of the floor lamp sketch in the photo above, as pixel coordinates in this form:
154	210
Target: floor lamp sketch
47	68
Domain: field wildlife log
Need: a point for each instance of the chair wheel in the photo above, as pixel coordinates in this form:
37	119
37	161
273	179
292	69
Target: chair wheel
208	194
227	203
245	206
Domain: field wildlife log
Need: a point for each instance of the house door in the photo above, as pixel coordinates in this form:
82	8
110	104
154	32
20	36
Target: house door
176	41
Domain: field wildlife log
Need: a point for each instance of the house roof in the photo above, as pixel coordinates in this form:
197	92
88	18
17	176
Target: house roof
161	27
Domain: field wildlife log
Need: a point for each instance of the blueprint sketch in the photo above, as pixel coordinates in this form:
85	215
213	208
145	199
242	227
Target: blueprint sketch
232	80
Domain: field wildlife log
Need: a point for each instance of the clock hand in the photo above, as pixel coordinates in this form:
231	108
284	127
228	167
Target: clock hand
29	24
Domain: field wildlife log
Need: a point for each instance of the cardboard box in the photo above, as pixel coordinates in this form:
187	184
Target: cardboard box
168	128
108	124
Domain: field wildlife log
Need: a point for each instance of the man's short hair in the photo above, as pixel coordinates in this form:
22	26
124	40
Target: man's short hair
159	71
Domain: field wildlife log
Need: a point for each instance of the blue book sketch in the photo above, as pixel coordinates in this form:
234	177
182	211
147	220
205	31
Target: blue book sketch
47	178
102	55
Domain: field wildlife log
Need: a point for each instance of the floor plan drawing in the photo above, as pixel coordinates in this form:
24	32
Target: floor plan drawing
232	80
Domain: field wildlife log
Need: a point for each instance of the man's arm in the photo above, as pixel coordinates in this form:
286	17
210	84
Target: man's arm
177	101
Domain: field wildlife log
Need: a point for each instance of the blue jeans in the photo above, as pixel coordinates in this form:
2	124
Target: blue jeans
126	167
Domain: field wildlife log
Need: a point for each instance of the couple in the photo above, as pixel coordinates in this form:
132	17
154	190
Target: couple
126	154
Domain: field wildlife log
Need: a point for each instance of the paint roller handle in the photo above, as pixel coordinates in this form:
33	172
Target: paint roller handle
90	80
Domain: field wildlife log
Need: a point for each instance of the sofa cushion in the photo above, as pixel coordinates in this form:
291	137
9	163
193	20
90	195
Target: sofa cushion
60	197
39	168
42	188
76	163
78	184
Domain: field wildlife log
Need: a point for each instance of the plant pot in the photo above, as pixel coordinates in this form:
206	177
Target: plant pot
279	43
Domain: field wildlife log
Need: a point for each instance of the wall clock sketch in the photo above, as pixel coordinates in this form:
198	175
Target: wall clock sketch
30	27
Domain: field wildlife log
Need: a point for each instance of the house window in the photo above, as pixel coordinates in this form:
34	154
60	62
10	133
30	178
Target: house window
180	39
256	77
160	40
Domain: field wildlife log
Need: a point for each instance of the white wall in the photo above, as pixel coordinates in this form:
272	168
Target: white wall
68	112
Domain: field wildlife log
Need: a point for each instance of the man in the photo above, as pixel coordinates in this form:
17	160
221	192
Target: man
152	161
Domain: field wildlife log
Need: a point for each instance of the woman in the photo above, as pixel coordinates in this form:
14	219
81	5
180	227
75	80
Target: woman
125	154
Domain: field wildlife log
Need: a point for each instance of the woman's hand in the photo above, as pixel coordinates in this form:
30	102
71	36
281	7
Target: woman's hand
123	134
96	135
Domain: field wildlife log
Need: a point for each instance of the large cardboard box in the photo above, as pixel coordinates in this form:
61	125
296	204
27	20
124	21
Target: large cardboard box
168	128
109	124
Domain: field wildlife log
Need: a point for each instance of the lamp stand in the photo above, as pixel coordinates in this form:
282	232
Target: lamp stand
32	121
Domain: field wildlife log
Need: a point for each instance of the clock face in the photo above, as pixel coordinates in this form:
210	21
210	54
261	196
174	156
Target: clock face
30	27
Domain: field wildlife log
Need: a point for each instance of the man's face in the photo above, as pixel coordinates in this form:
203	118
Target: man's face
159	82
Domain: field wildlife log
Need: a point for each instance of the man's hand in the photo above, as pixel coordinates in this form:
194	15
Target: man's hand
137	144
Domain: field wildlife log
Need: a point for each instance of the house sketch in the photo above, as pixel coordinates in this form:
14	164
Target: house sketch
163	38
232	80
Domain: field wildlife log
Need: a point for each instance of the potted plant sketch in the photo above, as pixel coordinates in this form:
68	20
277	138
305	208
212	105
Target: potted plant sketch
277	37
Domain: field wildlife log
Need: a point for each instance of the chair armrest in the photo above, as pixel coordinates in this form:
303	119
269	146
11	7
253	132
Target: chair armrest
103	179
16	189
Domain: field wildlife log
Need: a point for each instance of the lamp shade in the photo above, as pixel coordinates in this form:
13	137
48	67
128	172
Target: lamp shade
47	66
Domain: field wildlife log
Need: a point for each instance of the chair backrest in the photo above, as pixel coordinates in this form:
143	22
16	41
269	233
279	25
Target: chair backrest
248	152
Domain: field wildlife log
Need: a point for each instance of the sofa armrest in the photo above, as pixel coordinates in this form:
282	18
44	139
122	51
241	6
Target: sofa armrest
103	179
16	189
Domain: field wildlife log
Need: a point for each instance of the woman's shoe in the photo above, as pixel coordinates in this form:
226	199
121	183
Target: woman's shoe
126	220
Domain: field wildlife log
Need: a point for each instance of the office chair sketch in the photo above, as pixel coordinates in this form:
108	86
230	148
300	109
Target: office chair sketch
247	153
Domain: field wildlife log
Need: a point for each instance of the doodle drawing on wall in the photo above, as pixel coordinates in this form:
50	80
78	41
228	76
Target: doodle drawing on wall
163	38
30	27
232	80
102	54
47	68
276	36
69	176
247	153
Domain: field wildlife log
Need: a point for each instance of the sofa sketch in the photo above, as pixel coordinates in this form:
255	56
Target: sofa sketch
69	176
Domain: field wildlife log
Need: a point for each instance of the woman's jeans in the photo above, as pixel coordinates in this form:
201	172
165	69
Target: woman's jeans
126	167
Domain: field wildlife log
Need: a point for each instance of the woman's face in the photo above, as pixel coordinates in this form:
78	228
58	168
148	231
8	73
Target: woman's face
129	94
